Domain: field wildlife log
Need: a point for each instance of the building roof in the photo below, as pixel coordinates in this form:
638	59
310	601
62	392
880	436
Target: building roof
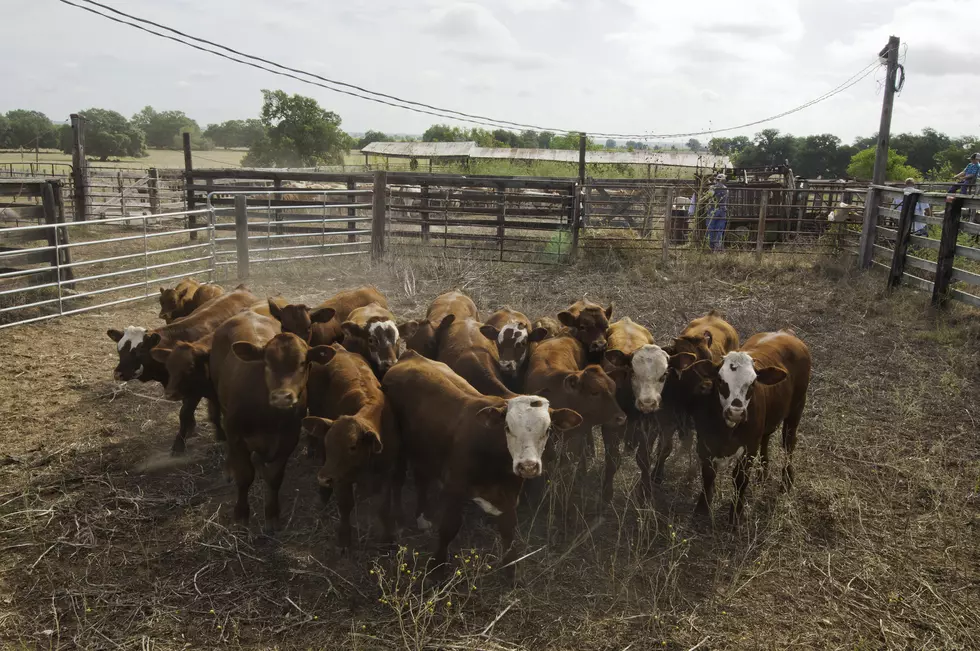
420	149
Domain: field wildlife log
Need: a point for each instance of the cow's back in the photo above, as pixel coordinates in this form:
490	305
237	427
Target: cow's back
558	355
724	337
782	349
343	303
472	356
343	386
208	317
627	336
246	326
505	316
456	303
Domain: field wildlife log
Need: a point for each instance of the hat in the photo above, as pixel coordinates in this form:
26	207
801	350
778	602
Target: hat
974	157
720	177
909	180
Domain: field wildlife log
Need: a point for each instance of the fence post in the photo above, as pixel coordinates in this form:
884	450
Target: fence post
760	238
902	239
378	215
154	190
424	205
668	226
351	212
79	167
189	183
501	218
576	220
947	251
122	194
241	236
870	223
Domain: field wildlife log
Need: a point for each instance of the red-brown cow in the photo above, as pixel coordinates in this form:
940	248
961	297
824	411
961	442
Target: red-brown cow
550	325
754	390
482	447
353	424
134	345
588	323
473	356
260	376
370	331
320	326
511	332
186	297
444	309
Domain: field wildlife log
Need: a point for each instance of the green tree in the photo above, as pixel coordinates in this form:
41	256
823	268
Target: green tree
199	142
921	149
528	139
694	144
950	161
444	133
108	133
372	136
298	133
482	137
504	138
610	144
636	145
544	139
820	155
571	140
30	129
4	132
863	162
162	129
235	133
728	146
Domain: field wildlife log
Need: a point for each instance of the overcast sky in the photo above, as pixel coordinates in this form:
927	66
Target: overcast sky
624	66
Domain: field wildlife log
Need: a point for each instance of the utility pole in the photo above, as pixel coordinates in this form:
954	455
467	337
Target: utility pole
881	152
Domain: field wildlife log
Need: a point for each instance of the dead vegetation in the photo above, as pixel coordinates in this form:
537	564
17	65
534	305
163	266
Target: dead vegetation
107	542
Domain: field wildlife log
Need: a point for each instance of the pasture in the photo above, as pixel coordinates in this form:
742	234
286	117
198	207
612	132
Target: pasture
108	542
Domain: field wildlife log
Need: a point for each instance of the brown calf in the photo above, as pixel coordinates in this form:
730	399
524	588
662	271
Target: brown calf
550	325
511	332
370	331
482	447
134	346
260	377
588	323
186	297
321	325
754	390
355	429
189	379
443	310
473	357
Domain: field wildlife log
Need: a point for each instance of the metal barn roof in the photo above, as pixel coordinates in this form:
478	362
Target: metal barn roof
420	149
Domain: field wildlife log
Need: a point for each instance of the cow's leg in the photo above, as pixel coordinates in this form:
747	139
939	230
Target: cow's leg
740	477
708	481
187	424
383	495
345	504
422	499
243	472
274	473
214	417
506	524
790	427
397	483
611	437
764	457
449	524
665	445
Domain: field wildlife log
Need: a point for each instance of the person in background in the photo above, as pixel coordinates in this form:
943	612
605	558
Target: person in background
717	213
922	209
967	178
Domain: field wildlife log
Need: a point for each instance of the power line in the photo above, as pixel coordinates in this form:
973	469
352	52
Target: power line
427	109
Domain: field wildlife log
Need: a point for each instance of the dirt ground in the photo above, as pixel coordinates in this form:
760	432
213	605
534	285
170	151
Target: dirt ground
106	542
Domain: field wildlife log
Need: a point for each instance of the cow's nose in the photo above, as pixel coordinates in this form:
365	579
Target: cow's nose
648	406
597	346
325	482
529	469
620	420
282	399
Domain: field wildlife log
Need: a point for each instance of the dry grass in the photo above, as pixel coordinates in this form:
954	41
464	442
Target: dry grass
107	542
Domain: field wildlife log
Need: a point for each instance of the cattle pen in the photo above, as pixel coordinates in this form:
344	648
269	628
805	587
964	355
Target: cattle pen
109	542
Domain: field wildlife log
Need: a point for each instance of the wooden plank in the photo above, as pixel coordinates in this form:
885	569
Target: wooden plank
378	215
28	257
666	235
22	190
968	252
153	186
902	242
761	229
424	212
351	212
918	283
963	276
189	180
9	240
241	237
969	299
920	263
865	248
947	251
79	166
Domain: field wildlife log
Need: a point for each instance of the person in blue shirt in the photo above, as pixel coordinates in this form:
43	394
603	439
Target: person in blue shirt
717	213
968	177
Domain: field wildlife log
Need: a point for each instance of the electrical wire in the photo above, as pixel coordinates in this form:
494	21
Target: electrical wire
419	107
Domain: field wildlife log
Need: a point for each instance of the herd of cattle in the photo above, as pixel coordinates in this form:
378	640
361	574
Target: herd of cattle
484	408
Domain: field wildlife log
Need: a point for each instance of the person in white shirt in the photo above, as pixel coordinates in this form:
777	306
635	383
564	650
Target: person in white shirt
922	209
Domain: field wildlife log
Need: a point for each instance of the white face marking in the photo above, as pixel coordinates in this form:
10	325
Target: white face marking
518	335
487	506
422	523
133	335
528	421
738	374
648	377
385	332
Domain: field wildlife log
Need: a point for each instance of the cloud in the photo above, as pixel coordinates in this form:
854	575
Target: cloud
935	61
709	95
464	21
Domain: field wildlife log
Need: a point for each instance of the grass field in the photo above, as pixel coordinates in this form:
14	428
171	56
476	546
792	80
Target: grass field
107	542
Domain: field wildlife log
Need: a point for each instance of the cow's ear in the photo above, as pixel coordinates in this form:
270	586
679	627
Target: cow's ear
618	358
566	319
354	330
322	315
708	339
572	381
408	329
620	375
609	311
491	417
274	310
447	321
247	351
536	335
316	426
163	290
152	339
681	362
371	440
320	354
115	335
490	332
161	354
770	375
671	350
565	419
706	368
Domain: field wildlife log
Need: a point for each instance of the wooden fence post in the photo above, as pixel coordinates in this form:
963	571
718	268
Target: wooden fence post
501	219
189	183
241	235
56	236
351	212
122	194
79	167
424	205
153	186
866	246
947	251
902	240
378	215
576	220
668	226
760	238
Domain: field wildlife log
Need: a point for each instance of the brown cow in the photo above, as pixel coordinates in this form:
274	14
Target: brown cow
557	370
444	309
754	390
482	447
355	428
186	297
588	323
473	356
371	332
320	326
549	324
134	345
260	377
640	394
511	332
